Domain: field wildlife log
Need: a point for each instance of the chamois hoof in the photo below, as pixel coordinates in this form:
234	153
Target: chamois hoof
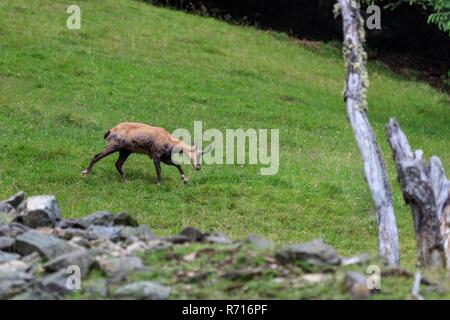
84	172
186	181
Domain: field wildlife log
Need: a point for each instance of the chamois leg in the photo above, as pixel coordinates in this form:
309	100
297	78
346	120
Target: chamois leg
157	162
123	155
178	166
99	156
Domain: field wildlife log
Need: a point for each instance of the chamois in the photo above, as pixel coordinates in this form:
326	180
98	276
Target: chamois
128	137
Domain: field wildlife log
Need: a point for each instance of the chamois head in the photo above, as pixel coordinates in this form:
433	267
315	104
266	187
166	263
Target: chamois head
193	153
197	154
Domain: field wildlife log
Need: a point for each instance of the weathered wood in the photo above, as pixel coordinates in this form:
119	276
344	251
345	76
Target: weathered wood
427	190
355	98
416	286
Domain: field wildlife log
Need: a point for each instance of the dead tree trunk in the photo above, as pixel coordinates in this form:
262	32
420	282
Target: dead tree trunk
426	189
355	98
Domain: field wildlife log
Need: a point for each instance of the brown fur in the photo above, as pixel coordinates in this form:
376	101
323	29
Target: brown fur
129	137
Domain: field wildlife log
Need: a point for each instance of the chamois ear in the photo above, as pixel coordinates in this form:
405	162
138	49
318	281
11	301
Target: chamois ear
207	149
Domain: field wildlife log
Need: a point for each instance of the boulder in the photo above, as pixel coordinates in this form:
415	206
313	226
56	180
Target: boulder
108	219
192	234
13	283
6	208
14	266
6	256
72	224
82	258
141	233
12	230
147	246
7	217
188	234
105	232
144	290
36	291
15	200
356	284
6	243
315	253
57	282
70	233
47	246
39	211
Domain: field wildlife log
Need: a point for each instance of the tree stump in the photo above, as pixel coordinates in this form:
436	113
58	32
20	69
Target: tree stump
427	191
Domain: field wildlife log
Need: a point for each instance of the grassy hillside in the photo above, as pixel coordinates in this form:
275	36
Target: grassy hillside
61	89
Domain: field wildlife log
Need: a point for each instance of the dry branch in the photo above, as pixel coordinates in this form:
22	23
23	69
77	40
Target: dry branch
355	98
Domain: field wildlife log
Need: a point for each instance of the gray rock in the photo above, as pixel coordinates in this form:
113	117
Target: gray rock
32	258
6	208
70	233
81	258
5	218
141	233
12	230
125	219
72	224
37	291
15	200
217	238
147	246
39	211
47	246
14	283
108	219
6	256
188	234
80	242
356	284
192	234
104	232
145	290
117	269
14	266
6	243
259	242
57	282
315	253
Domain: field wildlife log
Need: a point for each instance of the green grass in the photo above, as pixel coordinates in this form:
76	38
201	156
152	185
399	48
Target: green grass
61	89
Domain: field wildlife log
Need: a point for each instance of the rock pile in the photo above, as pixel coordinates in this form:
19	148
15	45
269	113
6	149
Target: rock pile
39	250
43	256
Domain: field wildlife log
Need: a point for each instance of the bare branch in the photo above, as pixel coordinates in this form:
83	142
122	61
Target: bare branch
355	98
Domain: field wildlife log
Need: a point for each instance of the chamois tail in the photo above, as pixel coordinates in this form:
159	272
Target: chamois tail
106	135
